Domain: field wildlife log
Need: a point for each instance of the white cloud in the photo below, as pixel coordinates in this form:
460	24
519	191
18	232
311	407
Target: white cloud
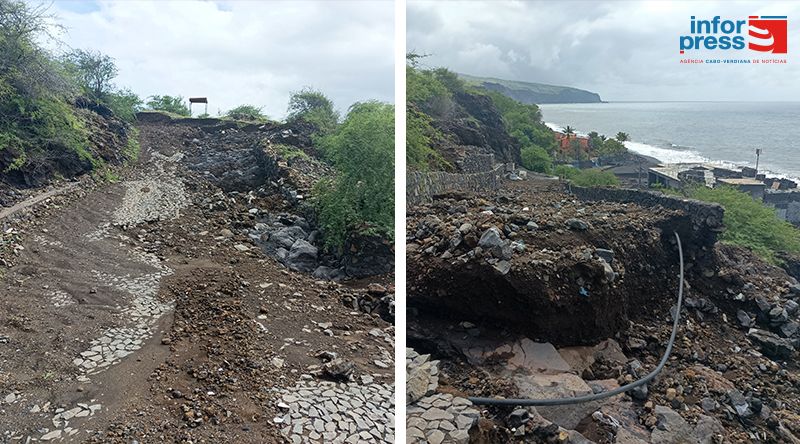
622	50
242	52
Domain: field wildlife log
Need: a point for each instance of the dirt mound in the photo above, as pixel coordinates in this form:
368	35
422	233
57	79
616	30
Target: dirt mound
540	259
491	277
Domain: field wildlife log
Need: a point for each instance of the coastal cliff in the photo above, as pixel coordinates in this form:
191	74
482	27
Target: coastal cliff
533	93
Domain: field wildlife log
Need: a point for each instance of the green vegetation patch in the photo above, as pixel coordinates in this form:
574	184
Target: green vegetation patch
249	113
132	147
749	223
593	177
170	104
360	198
313	107
289	152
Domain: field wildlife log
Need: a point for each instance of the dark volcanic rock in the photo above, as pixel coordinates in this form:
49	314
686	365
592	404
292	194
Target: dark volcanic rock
235	166
770	344
302	256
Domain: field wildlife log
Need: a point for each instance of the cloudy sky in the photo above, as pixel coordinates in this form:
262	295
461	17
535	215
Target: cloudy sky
253	52
623	50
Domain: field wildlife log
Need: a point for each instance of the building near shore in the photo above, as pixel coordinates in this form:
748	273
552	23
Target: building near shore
564	141
781	194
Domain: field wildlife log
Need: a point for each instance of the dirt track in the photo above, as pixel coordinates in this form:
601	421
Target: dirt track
143	312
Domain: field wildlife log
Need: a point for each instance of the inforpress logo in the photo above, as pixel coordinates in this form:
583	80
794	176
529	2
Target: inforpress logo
766	33
769	33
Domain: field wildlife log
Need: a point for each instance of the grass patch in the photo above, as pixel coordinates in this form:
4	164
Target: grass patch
749	223
132	147
290	152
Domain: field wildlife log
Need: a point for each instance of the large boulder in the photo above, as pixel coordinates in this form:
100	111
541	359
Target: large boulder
284	238
771	344
302	256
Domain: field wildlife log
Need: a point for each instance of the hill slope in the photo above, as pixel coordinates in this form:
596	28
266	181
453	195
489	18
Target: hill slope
533	93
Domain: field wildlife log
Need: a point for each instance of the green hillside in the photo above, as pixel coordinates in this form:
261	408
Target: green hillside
530	93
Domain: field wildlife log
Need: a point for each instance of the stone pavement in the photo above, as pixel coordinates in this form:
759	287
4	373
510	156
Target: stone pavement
328	412
434	417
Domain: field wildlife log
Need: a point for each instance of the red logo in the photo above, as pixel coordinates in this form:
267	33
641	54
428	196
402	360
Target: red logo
768	33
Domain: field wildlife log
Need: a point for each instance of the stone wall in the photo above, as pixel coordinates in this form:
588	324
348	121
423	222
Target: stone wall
422	186
706	218
476	163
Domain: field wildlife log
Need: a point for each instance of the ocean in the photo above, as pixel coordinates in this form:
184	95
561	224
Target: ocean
725	133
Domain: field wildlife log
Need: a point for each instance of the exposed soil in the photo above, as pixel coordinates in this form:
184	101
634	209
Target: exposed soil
476	298
209	332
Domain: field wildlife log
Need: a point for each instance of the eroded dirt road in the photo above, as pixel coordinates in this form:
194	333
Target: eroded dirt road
141	311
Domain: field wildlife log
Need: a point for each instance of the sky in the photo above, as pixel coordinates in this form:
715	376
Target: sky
248	52
623	50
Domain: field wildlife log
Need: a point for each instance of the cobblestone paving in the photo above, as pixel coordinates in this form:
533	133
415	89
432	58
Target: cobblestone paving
143	312
327	412
434	417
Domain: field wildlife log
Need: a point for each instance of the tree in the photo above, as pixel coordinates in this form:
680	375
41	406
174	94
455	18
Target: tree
569	131
124	103
596	140
575	145
24	63
246	112
360	198
313	107
413	58
170	104
611	147
622	137
94	71
37	123
535	158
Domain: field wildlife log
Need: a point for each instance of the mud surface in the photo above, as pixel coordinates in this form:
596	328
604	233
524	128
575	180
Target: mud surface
143	311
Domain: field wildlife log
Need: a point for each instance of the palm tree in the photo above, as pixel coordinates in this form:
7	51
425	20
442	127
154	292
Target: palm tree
569	131
622	137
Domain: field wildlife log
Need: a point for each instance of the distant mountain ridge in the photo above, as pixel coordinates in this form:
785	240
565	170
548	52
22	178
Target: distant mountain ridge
533	93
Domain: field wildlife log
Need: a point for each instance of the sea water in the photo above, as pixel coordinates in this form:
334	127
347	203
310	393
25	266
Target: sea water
725	133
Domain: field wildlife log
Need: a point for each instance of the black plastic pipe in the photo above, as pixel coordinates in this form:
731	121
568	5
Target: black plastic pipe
616	391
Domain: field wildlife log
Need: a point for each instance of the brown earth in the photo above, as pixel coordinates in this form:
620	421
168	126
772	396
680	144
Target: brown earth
243	327
556	289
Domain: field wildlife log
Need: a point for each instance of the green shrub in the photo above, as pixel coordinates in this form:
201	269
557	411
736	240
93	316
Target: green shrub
749	223
593	177
313	107
524	123
36	118
360	198
420	135
423	86
566	171
246	112
170	104
536	159
124	103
